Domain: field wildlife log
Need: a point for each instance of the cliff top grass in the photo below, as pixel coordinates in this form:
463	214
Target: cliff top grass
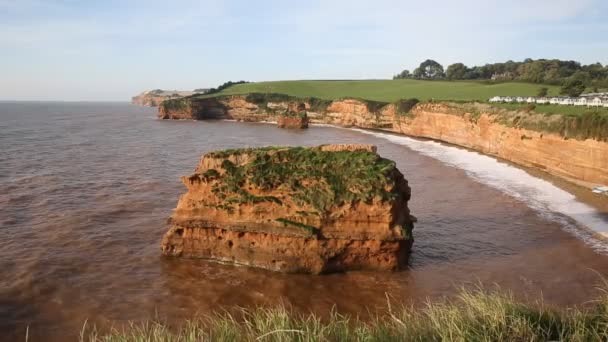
311	176
388	91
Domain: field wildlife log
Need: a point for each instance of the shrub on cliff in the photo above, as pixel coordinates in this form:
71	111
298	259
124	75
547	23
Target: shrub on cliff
223	86
373	106
404	106
178	104
261	99
318	105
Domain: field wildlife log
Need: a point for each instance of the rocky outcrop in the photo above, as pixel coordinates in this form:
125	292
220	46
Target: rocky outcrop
584	161
153	98
314	210
353	112
293	119
188	109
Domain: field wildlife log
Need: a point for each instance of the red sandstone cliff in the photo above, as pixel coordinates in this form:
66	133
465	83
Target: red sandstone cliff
295	210
575	160
581	161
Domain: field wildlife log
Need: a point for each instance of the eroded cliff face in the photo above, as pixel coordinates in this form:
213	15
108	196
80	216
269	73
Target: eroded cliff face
352	112
200	109
582	161
295	210
577	160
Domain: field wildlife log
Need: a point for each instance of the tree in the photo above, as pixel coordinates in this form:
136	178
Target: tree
404	74
430	70
542	92
573	87
456	71
543	71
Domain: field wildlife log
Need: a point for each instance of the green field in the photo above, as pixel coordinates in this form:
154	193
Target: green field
391	90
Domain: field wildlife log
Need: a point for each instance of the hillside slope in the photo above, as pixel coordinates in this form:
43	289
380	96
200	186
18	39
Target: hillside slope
391	90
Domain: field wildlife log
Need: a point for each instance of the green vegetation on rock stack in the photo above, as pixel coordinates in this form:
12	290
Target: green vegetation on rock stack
321	179
290	114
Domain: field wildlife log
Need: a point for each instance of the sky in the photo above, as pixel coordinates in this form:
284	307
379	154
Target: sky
110	50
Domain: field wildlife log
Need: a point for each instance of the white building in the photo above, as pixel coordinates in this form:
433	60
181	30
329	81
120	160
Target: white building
542	100
567	101
595	102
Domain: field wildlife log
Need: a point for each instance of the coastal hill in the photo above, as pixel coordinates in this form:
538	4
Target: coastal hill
294	209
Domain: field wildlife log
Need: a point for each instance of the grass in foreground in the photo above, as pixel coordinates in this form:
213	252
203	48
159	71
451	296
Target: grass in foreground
391	90
475	315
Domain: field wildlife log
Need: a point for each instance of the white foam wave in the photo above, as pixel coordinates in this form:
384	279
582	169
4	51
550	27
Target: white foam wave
547	199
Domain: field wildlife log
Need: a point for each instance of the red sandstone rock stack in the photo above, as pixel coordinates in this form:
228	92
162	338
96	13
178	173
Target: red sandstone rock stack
295	210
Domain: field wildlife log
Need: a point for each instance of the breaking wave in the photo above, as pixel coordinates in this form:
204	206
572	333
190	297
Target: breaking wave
548	200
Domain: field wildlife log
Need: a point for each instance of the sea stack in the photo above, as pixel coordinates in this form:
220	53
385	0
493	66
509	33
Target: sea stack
295	117
315	210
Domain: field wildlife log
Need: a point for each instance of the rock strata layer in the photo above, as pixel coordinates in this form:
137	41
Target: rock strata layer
313	210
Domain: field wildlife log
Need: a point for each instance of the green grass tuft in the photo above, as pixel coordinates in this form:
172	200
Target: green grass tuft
474	315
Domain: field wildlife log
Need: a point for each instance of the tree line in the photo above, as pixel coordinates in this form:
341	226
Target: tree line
544	71
222	87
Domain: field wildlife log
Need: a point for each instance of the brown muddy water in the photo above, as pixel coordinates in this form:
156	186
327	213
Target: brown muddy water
85	189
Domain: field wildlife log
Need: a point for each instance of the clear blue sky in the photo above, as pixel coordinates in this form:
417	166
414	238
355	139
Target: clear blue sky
112	49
